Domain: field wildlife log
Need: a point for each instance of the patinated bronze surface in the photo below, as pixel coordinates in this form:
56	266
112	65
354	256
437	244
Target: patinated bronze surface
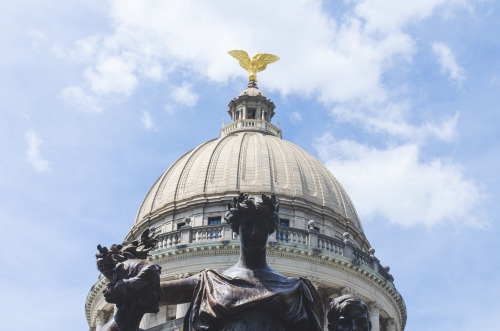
249	295
348	313
135	289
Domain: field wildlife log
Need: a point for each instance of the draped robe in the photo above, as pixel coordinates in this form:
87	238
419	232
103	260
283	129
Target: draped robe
247	303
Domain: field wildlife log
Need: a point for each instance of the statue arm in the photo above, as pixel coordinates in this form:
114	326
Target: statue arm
178	291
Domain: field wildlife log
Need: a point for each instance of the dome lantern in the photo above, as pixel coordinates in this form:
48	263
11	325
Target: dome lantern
251	110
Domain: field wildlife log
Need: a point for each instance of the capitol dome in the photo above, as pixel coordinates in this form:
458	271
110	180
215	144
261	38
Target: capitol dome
253	162
319	236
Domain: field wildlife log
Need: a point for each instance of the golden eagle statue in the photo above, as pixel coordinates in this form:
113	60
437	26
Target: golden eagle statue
253	65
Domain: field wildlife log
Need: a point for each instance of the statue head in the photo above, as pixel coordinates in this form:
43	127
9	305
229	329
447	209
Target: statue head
253	218
348	313
135	286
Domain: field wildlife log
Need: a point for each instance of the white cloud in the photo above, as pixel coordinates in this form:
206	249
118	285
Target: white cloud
169	109
396	184
113	74
37	37
295	117
341	59
83	50
147	120
391	15
33	152
448	63
392	118
184	95
74	95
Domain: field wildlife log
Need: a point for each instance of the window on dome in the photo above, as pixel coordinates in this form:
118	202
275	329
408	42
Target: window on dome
284	222
180	225
214	220
251	113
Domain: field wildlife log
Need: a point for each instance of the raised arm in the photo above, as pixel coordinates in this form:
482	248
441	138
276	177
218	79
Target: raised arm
178	291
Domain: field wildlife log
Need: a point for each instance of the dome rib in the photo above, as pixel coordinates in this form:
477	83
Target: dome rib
247	161
289	163
214	157
338	193
187	169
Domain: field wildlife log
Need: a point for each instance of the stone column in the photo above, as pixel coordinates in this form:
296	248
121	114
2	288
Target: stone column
391	324
100	319
374	308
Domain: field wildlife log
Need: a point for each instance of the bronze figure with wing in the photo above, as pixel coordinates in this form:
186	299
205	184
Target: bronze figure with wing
258	62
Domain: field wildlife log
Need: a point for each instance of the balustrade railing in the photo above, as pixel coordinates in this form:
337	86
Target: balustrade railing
206	233
360	257
242	124
292	235
168	240
283	234
330	244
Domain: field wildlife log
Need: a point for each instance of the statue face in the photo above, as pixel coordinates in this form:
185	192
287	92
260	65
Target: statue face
253	234
353	318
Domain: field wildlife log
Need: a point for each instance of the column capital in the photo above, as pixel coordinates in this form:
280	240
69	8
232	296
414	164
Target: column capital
374	307
315	281
348	290
391	324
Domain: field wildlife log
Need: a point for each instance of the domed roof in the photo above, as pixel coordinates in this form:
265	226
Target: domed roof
250	162
252	91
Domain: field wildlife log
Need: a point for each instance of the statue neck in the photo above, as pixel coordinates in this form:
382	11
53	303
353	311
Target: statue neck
253	260
128	320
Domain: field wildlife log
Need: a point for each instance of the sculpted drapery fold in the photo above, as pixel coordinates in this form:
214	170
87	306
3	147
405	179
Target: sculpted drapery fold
221	302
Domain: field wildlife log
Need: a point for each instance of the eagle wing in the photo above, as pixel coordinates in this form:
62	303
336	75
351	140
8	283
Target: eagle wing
242	57
264	60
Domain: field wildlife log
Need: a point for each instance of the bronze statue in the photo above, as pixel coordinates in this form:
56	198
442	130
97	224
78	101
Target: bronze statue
135	289
348	313
253	65
249	295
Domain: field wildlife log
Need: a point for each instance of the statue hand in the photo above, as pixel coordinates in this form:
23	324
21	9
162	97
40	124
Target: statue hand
105	262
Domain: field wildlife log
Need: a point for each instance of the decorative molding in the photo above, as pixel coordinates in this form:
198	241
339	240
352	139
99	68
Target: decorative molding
374	308
348	290
315	281
391	324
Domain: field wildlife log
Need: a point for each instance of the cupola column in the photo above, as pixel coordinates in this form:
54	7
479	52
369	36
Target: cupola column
374	308
100	319
391	325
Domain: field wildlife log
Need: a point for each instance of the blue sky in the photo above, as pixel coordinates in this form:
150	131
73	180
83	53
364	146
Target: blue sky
398	98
